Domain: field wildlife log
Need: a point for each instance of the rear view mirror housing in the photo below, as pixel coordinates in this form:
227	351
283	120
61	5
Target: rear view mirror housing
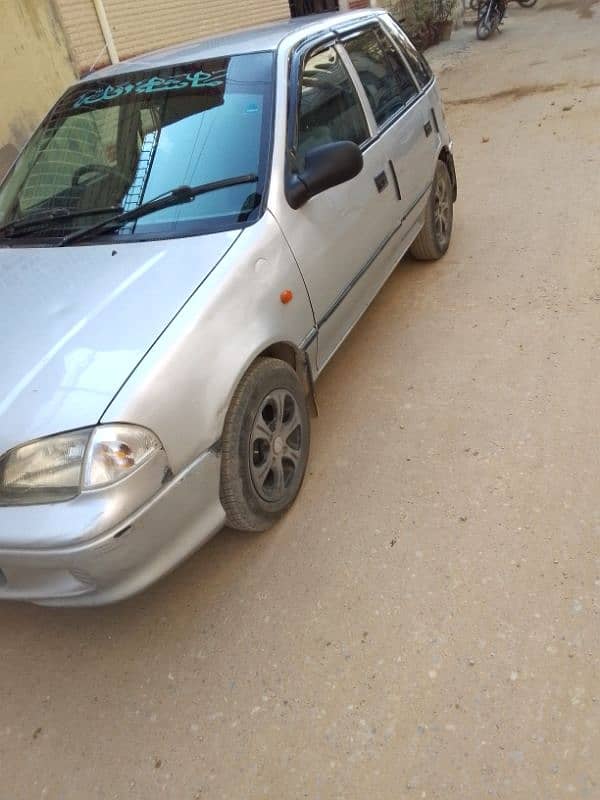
325	166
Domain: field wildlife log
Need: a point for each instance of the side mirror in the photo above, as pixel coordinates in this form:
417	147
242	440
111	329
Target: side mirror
325	166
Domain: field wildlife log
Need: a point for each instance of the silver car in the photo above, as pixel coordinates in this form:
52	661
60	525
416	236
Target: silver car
184	244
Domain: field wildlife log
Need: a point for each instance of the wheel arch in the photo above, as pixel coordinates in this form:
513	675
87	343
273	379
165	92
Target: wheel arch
285	351
298	359
446	157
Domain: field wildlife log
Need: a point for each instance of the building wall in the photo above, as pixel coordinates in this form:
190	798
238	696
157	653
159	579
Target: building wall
45	44
34	68
141	25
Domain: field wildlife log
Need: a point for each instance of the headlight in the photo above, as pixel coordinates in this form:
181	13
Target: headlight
60	467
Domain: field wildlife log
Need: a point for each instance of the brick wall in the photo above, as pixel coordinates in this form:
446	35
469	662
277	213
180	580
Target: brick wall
142	25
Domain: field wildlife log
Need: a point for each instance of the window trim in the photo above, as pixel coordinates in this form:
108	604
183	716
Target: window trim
360	91
386	33
389	25
295	66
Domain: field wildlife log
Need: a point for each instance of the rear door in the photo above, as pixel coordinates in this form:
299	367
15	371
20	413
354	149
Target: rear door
428	104
397	105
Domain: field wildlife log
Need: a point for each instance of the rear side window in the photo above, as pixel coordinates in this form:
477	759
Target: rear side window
330	110
416	60
384	75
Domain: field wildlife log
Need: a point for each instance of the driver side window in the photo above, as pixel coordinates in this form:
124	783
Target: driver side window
330	109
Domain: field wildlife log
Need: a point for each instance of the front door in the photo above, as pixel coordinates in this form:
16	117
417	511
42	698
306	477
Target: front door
338	236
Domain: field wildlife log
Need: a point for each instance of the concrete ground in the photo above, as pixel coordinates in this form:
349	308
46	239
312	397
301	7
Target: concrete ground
425	622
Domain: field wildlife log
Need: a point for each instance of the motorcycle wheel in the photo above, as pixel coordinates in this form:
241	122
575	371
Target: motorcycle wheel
484	25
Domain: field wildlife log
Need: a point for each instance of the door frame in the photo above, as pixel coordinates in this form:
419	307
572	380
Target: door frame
331	38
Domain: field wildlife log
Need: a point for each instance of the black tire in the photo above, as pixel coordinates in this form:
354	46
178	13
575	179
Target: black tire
433	240
485	23
257	439
483	30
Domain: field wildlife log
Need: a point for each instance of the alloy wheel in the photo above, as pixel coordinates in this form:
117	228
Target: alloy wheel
276	445
442	212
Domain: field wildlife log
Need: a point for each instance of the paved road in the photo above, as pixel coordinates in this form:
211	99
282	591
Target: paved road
424	624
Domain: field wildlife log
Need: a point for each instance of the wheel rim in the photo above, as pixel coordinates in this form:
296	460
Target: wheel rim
442	211
276	445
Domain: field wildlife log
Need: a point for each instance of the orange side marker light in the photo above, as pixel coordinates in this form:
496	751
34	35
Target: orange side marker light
286	296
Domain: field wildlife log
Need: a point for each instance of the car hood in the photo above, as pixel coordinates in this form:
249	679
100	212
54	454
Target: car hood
75	322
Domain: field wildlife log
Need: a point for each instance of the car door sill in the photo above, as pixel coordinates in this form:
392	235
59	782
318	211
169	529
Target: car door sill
413	227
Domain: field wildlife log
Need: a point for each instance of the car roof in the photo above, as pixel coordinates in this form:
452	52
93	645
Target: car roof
262	38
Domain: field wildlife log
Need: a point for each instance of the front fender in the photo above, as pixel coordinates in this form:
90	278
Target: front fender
182	388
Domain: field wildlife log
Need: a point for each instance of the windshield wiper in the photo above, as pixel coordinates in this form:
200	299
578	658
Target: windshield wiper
174	197
22	226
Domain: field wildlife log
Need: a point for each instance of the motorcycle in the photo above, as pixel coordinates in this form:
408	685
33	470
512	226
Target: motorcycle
489	17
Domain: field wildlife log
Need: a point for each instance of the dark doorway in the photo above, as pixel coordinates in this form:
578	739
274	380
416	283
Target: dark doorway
301	7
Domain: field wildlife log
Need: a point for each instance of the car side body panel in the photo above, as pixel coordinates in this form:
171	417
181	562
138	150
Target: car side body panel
195	366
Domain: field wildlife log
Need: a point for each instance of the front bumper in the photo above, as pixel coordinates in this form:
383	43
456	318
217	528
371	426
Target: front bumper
125	559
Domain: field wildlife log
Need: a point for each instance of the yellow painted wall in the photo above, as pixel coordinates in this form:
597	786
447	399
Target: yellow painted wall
34	69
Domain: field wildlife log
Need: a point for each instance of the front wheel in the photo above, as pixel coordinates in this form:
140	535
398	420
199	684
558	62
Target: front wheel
485	23
483	29
266	439
434	239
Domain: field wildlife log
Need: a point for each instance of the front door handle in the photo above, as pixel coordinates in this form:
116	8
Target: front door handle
381	181
428	129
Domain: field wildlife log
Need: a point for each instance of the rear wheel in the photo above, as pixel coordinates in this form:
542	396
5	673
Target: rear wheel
434	239
265	446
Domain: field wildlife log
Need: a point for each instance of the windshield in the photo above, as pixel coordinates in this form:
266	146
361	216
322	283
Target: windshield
110	145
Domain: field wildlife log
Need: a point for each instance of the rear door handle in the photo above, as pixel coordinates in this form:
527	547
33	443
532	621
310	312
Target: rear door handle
395	179
381	181
428	128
